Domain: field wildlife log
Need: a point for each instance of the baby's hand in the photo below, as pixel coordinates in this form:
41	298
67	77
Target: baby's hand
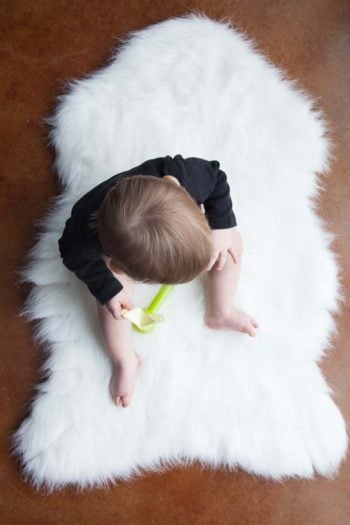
115	305
226	241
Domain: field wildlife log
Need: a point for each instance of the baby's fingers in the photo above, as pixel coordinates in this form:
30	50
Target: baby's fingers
222	260
128	305
212	261
116	312
232	253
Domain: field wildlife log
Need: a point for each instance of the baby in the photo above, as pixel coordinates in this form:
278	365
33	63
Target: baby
165	221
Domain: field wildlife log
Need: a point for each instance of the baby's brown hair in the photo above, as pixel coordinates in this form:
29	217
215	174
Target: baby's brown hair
153	230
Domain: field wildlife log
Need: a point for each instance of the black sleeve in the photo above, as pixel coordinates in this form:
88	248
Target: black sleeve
88	265
218	206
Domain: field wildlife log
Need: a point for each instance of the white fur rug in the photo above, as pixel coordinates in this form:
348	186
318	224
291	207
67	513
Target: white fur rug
193	86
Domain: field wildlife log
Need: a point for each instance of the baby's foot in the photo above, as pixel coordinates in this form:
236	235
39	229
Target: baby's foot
235	320
123	380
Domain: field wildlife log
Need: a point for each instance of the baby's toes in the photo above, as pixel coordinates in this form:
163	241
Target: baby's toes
250	329
126	401
122	400
118	401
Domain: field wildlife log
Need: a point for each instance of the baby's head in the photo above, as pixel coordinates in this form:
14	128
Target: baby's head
153	230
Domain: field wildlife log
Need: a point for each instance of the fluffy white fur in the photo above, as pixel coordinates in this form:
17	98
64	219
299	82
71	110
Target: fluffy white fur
194	86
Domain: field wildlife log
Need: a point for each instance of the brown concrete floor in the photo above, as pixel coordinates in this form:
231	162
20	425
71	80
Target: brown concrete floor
46	42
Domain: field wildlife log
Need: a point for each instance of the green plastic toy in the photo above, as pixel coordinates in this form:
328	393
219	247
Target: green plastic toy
145	320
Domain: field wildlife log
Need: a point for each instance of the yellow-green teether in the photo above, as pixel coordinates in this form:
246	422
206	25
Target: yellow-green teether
145	320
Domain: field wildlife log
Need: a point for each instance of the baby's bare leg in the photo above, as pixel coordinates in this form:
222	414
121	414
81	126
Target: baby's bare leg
220	289
117	337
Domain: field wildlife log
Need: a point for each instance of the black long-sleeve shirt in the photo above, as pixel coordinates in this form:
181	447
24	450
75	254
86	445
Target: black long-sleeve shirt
80	247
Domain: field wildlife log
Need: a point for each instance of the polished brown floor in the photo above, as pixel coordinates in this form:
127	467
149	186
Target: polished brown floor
43	44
